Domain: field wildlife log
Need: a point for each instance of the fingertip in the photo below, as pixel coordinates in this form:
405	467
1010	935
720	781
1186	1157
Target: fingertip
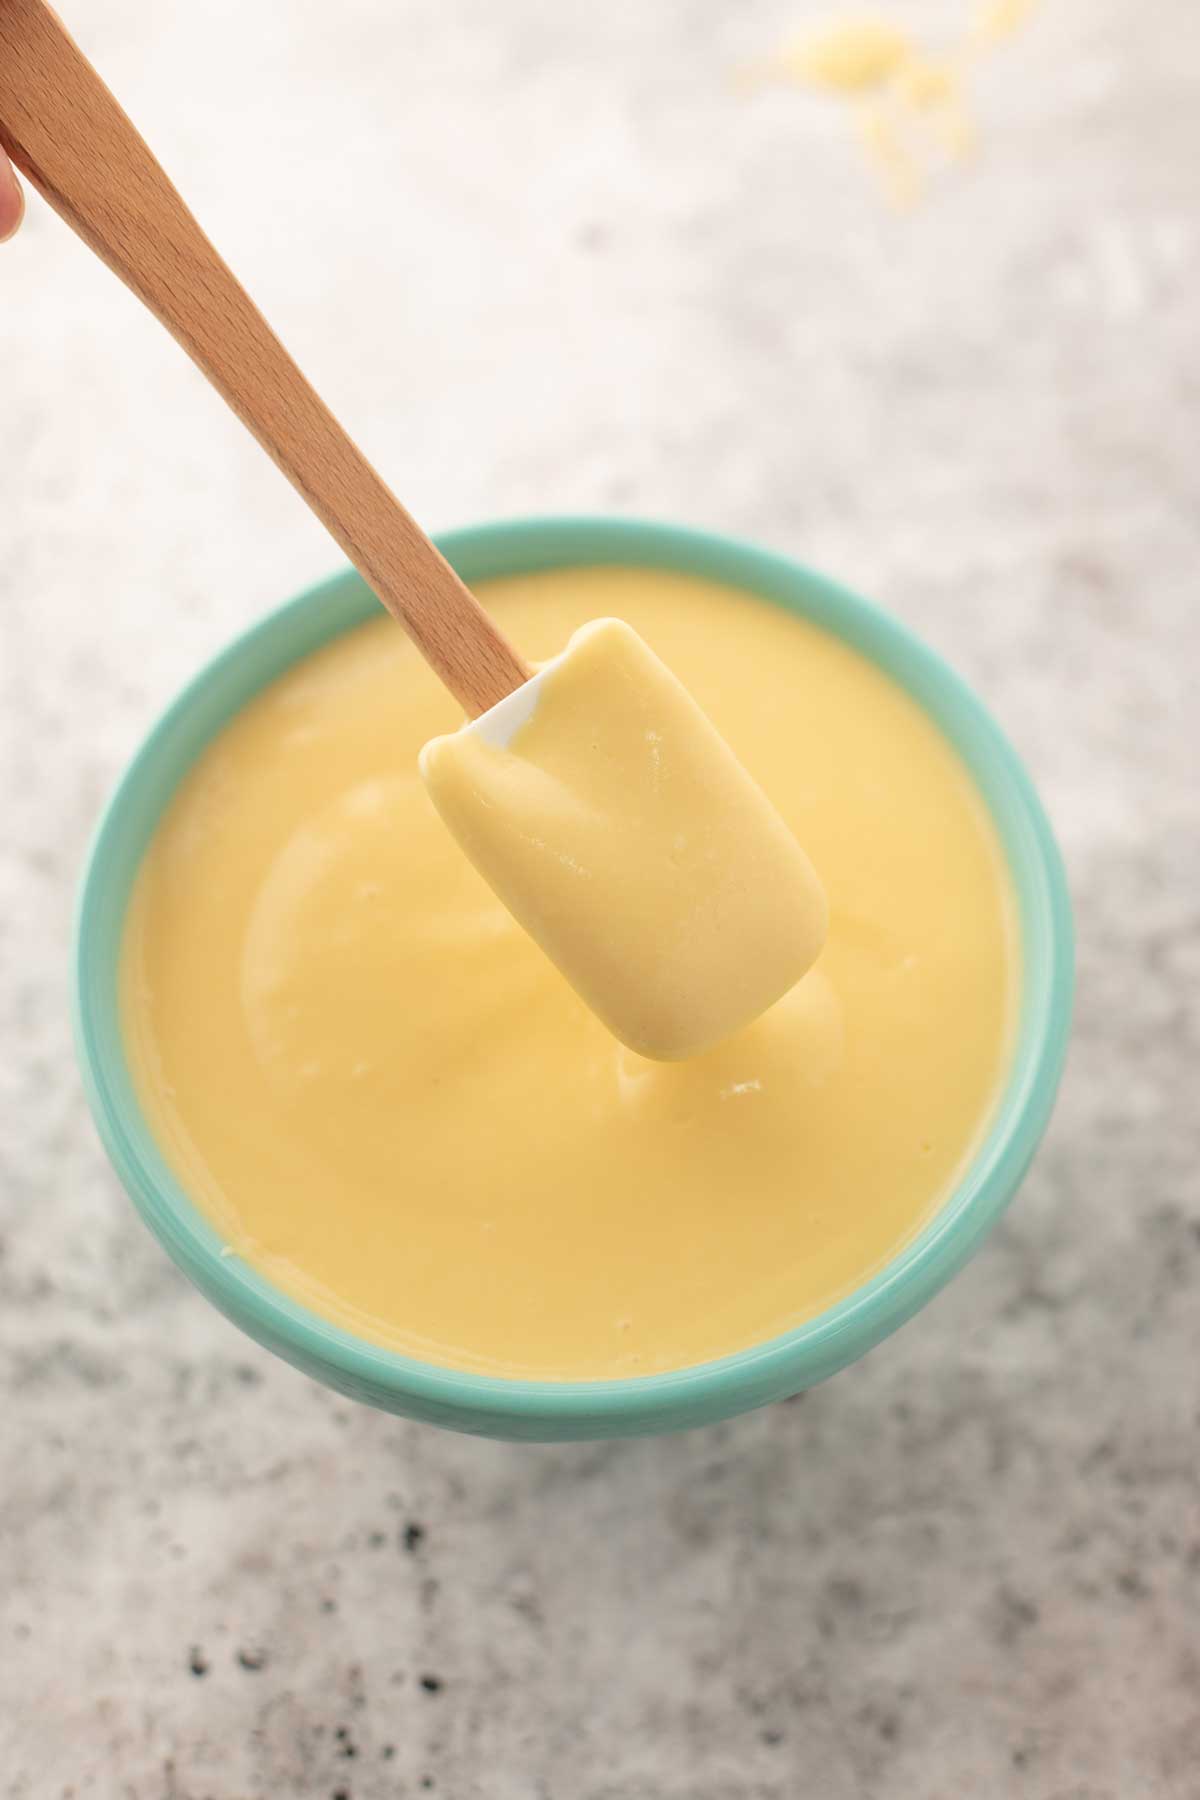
12	199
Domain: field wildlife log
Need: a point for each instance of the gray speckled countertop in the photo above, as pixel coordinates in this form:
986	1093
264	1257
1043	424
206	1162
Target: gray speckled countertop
549	258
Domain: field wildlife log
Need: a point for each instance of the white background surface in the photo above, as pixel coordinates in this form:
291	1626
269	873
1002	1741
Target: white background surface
545	258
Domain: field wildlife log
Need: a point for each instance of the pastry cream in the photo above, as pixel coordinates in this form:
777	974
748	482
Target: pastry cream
910	108
387	1099
627	839
853	56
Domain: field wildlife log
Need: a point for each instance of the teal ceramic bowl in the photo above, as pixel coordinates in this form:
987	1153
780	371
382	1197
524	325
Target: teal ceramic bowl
566	1410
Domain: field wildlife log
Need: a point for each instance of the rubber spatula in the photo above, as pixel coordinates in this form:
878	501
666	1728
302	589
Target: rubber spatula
764	911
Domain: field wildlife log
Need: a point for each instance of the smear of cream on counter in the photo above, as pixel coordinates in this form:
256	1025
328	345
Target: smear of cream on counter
911	108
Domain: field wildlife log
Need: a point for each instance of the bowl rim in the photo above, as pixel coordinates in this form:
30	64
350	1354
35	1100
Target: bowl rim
701	1392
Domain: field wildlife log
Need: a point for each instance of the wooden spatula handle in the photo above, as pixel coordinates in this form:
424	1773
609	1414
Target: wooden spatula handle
60	124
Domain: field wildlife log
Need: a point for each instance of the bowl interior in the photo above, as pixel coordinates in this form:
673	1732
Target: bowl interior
529	1409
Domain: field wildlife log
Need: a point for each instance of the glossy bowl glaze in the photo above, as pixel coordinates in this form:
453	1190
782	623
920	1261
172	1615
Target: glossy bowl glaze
566	1410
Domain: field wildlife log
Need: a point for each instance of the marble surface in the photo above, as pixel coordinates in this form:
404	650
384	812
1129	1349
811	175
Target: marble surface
549	258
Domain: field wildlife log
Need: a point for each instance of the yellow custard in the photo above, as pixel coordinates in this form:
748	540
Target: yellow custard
912	107
390	1102
620	830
